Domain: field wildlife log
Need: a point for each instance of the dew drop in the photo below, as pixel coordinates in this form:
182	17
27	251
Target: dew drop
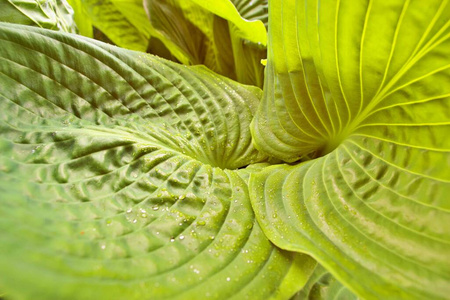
201	223
181	237
155	207
172	239
228	278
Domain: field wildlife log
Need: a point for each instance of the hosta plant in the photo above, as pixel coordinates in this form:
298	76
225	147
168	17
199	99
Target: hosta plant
127	176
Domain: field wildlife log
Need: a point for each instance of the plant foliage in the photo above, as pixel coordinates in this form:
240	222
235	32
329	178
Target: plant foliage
124	175
371	104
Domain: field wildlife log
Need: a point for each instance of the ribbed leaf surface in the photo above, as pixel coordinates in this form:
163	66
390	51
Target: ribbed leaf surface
49	14
116	180
253	10
363	86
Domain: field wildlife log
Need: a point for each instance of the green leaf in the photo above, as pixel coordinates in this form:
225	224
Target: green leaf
124	22
216	36
249	29
253	10
81	18
50	14
117	180
323	286
362	87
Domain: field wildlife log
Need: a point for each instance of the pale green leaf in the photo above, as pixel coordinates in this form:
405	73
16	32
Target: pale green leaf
117	178
248	28
134	12
81	18
216	36
49	14
362	87
123	22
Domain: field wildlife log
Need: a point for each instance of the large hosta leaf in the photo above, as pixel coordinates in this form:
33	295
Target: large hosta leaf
364	86
216	36
116	178
50	14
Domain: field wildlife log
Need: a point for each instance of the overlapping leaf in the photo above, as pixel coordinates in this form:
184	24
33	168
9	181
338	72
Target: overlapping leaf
116	180
323	286
123	22
253	10
363	87
50	14
216	36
